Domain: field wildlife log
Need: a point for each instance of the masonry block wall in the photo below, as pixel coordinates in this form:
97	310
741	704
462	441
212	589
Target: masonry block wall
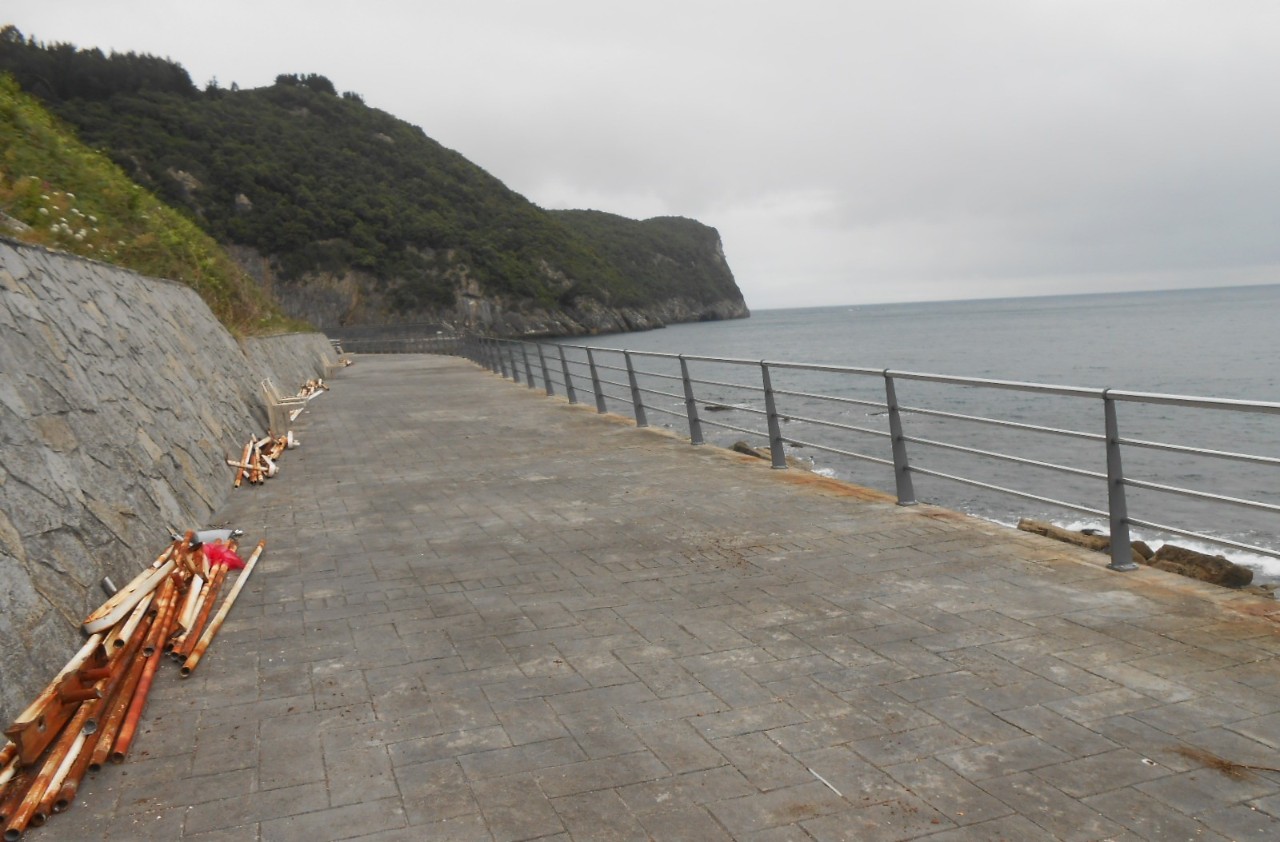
120	398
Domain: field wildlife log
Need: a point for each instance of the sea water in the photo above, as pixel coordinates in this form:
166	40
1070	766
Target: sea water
1207	342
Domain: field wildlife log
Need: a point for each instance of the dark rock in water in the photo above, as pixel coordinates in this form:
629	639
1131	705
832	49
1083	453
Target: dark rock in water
1215	569
744	448
717	407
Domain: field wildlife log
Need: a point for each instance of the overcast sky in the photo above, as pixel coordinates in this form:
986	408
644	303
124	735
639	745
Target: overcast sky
848	152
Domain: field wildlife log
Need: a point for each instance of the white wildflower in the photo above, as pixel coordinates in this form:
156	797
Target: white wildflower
44	211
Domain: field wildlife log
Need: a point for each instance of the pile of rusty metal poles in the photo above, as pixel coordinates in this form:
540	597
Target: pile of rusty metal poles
90	711
260	458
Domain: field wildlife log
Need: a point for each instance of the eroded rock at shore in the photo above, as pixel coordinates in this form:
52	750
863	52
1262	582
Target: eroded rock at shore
1090	541
1214	569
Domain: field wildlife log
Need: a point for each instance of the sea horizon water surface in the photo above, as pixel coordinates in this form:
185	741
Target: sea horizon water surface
1217	343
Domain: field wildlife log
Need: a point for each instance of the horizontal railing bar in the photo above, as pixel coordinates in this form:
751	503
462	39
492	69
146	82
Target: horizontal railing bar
616	383
832	398
660	392
1024	495
1200	451
851	454
1007	457
750	388
1201	495
837	369
657	375
666	411
611	367
837	425
1195	401
1017	425
746	430
624	399
726	360
663	355
1186	533
1008	385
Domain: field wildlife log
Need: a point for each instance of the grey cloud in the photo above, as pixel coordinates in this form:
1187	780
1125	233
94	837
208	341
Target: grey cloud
846	151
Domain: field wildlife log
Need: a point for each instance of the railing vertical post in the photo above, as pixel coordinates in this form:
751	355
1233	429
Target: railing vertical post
546	378
595	383
1121	550
528	371
776	449
901	467
637	402
511	358
690	404
494	356
568	379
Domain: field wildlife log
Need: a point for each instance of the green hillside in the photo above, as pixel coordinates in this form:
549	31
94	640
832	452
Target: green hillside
351	213
56	192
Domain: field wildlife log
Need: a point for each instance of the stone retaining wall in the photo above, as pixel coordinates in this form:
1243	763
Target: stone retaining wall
120	397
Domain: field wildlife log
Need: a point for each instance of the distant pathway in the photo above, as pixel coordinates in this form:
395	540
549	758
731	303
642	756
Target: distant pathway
485	615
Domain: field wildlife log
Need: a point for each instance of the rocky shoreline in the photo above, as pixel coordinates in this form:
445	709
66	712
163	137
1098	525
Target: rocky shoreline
1214	569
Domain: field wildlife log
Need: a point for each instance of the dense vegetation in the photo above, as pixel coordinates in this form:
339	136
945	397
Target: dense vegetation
58	193
320	183
667	256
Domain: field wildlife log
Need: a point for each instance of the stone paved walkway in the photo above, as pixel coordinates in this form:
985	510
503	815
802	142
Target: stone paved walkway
484	614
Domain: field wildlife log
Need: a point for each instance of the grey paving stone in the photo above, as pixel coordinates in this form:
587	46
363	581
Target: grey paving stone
780	807
514	808
486	615
961	801
1102	772
905	817
1150	818
1004	758
599	815
1051	809
347	822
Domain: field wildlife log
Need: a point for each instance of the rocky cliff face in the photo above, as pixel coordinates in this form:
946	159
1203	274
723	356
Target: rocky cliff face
495	317
670	286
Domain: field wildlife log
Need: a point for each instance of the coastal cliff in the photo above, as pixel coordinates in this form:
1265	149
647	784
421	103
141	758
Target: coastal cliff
351	216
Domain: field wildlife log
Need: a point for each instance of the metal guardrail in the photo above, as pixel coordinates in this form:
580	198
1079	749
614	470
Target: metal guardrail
396	344
573	367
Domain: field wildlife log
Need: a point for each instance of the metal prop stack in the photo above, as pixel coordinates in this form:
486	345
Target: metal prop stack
90	712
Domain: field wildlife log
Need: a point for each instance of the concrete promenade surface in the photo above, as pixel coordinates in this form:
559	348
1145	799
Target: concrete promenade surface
485	615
